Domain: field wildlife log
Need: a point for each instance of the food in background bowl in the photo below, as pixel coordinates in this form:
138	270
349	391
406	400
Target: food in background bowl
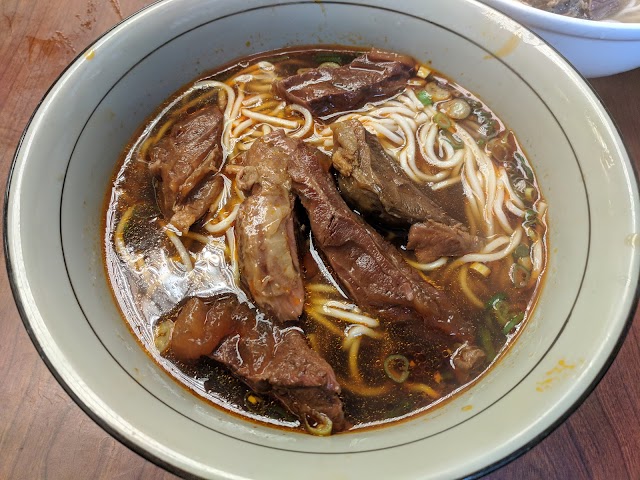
612	10
236	257
595	48
68	154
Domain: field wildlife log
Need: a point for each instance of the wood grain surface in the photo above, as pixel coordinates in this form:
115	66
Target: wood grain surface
43	434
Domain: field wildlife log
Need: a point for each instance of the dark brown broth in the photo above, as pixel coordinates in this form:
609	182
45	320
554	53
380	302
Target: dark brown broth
143	309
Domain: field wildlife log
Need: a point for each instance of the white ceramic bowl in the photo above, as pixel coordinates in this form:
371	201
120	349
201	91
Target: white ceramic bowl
63	166
595	48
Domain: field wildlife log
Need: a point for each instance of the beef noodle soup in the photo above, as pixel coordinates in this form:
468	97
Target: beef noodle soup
607	10
325	239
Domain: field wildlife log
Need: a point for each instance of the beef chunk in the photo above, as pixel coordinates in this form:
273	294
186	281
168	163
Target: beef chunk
468	359
589	9
431	240
200	328
197	204
324	91
268	253
371	269
185	161
374	184
270	360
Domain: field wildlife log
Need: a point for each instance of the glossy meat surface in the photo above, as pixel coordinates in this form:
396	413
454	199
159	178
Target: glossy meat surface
373	76
269	359
185	163
268	253
431	240
197	204
371	269
468	359
374	184
200	328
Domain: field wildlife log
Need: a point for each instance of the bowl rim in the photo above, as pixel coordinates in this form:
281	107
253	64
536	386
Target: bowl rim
576	27
147	454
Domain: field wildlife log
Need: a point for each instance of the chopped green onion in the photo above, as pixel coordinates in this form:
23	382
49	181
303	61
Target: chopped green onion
329	65
530	215
528	172
499	307
481	142
442	121
522	164
529	194
501	312
526	262
496	298
512	323
483	115
486	343
519	275
437	92
476	105
498	149
521	251
397	368
531	233
489	129
321	428
457	109
328	57
519	185
424	98
455	142
530	218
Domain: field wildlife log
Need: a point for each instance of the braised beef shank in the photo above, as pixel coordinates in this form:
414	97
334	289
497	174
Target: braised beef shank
185	163
375	184
269	359
371	269
371	77
268	255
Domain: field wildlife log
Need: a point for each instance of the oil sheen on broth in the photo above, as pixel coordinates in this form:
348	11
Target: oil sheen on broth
480	251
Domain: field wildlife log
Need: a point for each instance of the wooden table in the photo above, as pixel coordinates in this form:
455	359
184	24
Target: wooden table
43	434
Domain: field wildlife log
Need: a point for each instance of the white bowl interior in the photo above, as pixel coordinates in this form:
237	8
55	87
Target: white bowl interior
576	153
